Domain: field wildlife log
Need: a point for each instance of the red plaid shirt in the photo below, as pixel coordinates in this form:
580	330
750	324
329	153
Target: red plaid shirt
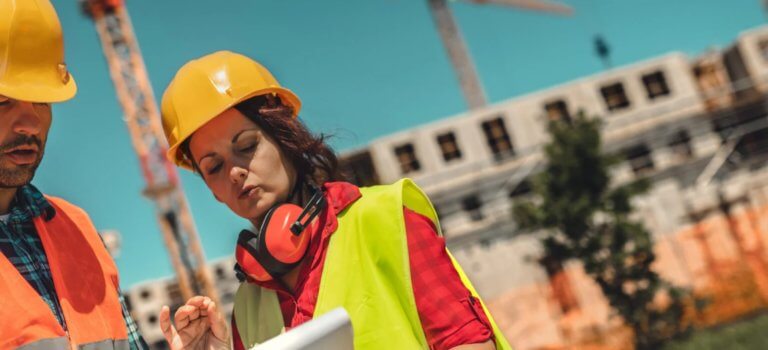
449	314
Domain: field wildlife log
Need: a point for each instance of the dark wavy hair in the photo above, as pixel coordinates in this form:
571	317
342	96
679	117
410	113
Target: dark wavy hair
309	154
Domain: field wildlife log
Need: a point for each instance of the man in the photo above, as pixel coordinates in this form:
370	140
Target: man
58	284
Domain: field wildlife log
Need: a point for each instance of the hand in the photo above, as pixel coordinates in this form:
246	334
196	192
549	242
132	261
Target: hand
199	326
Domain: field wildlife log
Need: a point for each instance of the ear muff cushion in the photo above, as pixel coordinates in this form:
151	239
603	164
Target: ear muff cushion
275	250
281	243
263	254
250	266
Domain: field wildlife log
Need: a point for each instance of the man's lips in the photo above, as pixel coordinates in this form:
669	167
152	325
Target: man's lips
22	157
33	148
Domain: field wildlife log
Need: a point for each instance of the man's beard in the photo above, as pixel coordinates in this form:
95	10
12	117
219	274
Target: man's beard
19	175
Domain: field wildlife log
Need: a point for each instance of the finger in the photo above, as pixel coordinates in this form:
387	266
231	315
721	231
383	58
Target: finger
218	324
196	300
204	306
169	332
206	301
185	314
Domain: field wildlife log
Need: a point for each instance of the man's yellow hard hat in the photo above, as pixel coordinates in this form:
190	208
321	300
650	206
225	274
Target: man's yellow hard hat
206	87
32	64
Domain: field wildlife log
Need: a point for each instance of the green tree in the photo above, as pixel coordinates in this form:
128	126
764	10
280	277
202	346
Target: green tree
582	216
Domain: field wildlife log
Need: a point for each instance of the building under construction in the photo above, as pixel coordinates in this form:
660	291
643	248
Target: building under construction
696	126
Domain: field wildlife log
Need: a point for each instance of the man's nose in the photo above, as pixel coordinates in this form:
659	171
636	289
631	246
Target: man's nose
29	120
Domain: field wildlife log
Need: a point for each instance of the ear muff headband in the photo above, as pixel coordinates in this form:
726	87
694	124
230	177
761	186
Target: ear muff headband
314	206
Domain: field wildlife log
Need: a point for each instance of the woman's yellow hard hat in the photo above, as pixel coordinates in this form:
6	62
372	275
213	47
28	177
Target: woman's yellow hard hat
206	87
32	64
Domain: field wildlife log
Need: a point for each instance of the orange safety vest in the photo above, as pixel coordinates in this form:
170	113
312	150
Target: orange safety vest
85	278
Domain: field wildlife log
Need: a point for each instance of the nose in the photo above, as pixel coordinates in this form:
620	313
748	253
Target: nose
29	120
237	175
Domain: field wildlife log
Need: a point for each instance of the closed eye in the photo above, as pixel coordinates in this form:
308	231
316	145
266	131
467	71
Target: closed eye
248	148
214	169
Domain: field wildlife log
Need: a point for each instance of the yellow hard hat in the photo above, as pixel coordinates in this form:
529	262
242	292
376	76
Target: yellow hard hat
206	87
32	64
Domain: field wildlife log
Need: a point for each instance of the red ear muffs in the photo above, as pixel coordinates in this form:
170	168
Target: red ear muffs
281	242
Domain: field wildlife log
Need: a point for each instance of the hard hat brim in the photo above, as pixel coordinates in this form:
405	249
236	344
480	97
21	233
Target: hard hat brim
40	93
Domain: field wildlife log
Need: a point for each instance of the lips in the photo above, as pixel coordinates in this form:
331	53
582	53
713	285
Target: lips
247	191
23	155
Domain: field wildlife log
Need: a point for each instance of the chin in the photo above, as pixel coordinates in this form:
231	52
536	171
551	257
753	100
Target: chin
251	213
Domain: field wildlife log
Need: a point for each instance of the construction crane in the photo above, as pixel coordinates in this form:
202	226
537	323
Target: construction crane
457	50
134	92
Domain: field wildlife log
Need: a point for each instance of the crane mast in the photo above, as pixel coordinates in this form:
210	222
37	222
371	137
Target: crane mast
469	81
142	117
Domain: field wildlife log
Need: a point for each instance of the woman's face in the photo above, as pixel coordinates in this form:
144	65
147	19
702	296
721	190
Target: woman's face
242	165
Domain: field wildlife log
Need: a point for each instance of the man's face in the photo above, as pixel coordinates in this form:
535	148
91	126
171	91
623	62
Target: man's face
23	132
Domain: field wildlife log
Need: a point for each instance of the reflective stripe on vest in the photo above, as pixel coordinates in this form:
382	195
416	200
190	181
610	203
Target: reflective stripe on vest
85	279
50	343
63	343
107	345
366	271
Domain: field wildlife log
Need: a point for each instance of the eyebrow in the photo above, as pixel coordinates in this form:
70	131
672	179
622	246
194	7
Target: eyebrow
234	139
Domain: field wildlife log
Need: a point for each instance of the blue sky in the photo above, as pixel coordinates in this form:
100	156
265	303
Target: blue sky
362	68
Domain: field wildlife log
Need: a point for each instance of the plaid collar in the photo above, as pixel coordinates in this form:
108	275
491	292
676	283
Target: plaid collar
30	203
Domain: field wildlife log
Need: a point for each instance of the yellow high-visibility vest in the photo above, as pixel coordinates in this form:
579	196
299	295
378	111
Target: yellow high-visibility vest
366	271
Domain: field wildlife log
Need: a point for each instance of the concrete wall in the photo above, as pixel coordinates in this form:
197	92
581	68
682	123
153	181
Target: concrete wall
756	62
525	120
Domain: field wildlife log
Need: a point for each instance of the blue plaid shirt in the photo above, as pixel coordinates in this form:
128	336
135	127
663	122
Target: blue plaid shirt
20	243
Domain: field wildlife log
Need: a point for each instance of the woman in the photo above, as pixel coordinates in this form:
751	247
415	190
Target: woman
375	251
